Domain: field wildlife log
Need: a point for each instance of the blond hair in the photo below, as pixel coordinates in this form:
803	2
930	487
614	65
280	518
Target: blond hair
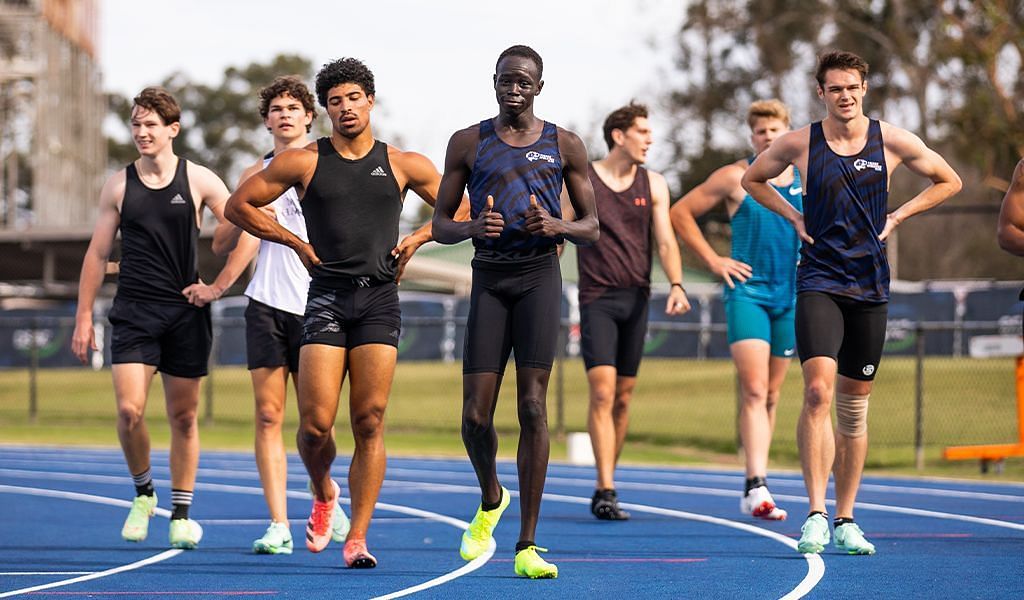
767	109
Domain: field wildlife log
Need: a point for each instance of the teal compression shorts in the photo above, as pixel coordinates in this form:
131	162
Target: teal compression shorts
748	320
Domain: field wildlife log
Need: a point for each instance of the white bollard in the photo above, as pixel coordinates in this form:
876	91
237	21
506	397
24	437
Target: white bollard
578	448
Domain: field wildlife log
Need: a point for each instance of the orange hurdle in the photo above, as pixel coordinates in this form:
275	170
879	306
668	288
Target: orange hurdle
996	453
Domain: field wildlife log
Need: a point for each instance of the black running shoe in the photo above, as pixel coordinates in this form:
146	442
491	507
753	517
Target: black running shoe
605	506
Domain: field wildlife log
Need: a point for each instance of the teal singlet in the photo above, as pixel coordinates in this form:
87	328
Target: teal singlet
769	244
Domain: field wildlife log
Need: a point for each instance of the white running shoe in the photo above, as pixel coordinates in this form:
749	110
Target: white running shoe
758	502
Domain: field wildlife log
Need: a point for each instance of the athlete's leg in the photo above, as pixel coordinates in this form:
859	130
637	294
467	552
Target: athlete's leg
534	447
323	370
601	423
814	429
751	357
624	387
182	396
479	400
371	370
270	385
131	387
851	452
777	369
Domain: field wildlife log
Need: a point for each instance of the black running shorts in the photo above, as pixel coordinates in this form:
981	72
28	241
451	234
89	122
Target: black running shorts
272	337
847	330
513	306
350	317
613	328
175	338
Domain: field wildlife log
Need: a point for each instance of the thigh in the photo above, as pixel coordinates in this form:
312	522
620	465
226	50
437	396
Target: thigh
783	332
536	315
488	340
377	317
181	395
819	326
265	342
599	333
371	369
135	333
746	320
632	332
185	346
863	341
323	370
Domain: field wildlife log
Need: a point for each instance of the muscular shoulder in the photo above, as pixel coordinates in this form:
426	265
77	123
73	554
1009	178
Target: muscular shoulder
898	139
413	164
656	179
793	143
113	188
570	145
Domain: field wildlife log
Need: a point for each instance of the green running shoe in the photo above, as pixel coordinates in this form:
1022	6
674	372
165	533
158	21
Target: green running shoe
813	535
340	523
136	526
850	539
530	564
477	538
277	540
185	534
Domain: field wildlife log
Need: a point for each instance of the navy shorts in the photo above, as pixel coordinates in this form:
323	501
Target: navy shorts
613	328
850	331
513	306
352	316
175	338
272	337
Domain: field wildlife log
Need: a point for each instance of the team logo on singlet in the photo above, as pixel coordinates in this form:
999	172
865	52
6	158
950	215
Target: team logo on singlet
533	155
378	172
177	199
868	370
860	164
640	201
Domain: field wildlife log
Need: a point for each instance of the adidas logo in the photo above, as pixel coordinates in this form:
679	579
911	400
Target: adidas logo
378	172
177	199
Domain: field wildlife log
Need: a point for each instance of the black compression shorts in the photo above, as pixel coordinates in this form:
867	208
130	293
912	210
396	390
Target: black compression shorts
847	330
350	317
613	328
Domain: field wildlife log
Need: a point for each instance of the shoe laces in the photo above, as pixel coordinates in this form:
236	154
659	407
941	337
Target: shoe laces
321	516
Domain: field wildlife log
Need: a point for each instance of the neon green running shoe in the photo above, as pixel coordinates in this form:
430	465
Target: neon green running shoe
136	526
813	535
530	564
340	523
277	540
185	534
850	539
477	538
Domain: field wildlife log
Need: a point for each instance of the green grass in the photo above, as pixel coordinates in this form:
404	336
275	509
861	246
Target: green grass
683	412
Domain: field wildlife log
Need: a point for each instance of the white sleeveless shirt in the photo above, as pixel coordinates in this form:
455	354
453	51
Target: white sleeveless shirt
281	281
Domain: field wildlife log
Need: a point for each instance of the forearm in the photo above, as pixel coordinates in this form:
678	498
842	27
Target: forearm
932	196
583	231
444	230
1011	239
671	263
234	267
259	224
688	230
769	197
225	238
89	282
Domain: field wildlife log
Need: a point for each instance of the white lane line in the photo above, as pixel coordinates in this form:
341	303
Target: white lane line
44	573
14	489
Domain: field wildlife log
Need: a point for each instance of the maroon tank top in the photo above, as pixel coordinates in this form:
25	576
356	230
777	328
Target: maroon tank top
622	257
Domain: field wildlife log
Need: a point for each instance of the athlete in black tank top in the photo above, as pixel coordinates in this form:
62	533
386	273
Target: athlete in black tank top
159	316
615	281
516	282
352	188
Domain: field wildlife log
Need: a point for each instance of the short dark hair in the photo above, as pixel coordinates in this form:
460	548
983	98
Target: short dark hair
622	119
838	59
522	52
160	101
343	70
287	85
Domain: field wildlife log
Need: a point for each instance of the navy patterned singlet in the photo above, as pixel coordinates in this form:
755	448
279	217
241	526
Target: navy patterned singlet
844	211
511	174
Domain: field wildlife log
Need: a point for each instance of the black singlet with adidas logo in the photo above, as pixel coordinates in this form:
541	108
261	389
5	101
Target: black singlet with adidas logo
159	233
352	210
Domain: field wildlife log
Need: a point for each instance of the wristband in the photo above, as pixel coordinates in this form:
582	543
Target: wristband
678	285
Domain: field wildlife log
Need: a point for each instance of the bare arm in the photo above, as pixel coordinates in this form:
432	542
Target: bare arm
770	164
214	194
923	161
445	227
94	265
584	228
722	185
1010	231
668	249
291	168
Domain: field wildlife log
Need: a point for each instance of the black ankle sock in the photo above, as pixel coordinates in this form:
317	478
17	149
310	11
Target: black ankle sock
180	511
524	545
842	521
753	482
145	490
491	506
817	512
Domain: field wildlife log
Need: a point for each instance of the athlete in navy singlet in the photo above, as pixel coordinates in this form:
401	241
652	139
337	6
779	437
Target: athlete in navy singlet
351	187
845	162
514	166
159	318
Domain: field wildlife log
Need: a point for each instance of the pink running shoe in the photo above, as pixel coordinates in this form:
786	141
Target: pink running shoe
321	520
357	556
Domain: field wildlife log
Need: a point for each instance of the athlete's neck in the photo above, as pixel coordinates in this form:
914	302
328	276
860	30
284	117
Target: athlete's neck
851	130
519	123
280	145
353	148
159	167
616	169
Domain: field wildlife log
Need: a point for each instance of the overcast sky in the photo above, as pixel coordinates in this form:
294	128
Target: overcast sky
432	60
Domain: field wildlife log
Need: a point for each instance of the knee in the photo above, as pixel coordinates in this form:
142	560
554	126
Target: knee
532	413
852	414
772	399
313	433
623	397
129	416
818	396
268	417
368	424
602	398
183	421
755	395
476	421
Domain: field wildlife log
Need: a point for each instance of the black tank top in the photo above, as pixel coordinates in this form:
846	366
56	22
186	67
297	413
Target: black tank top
352	209
622	257
158	239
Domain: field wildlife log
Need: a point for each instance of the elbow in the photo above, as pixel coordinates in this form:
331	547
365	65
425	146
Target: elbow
957	184
746	183
231	210
439	231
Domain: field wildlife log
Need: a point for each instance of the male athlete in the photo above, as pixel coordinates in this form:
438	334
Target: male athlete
615	285
845	162
273	318
514	166
1010	231
351	188
159	322
760	292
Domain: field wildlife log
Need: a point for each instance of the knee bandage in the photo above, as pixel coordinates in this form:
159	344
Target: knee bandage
852	414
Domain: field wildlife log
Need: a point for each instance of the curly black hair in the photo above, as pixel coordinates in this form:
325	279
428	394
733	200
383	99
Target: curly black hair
523	52
343	70
287	85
